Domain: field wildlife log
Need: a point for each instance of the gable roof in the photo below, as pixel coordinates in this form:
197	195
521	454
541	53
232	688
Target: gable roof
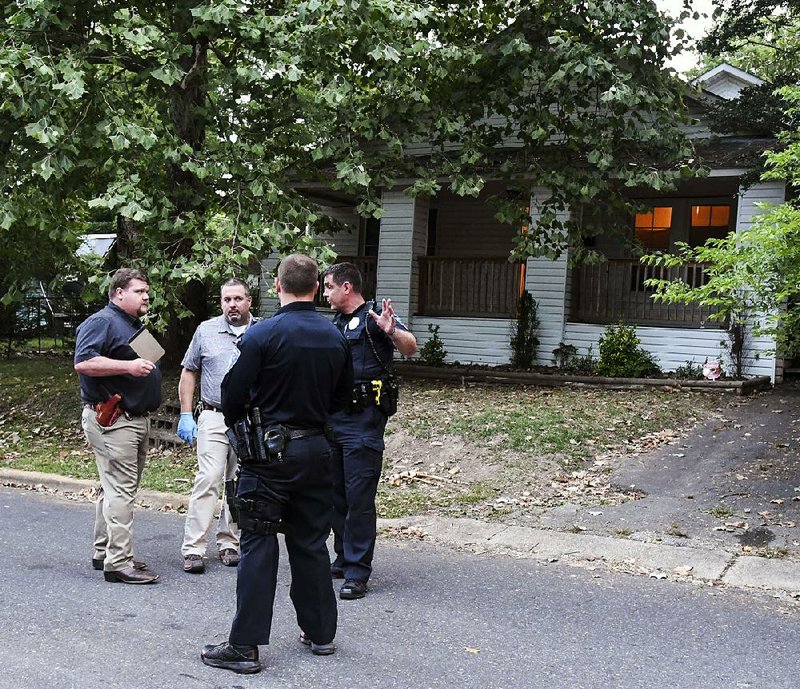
726	81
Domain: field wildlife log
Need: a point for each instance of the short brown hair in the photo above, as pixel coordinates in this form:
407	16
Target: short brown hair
298	274
122	278
346	272
235	282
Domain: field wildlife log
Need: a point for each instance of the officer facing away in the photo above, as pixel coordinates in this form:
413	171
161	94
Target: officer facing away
293	370
372	335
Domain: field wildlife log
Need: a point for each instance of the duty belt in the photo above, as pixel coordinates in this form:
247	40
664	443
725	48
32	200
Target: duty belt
295	433
209	407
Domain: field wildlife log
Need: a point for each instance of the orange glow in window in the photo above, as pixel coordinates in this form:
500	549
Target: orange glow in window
660	218
711	216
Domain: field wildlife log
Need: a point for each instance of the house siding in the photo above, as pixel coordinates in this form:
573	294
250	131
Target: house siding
673	347
404	234
546	280
345	242
468	340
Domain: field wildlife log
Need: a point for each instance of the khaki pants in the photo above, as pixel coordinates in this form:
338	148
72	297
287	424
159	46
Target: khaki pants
215	460
120	451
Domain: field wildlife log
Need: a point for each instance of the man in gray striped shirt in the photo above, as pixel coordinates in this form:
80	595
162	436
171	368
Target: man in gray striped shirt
209	355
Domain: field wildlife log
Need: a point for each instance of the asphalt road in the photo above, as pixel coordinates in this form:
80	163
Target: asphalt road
434	619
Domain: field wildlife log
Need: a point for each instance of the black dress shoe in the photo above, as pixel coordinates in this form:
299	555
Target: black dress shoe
317	649
131	575
337	571
352	589
241	659
97	563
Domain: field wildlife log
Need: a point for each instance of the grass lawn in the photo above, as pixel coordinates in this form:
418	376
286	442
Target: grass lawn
40	428
533	437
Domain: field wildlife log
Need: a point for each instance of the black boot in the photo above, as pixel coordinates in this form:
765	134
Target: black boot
241	659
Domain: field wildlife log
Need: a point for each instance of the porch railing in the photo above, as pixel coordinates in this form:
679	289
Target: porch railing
615	291
469	286
367	265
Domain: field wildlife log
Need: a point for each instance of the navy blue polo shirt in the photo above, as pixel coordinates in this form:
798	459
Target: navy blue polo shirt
353	326
107	333
295	367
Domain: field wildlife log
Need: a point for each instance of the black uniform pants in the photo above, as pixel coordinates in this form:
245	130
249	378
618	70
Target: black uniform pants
297	491
357	463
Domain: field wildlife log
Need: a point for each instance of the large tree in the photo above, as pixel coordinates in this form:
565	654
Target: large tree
194	123
754	276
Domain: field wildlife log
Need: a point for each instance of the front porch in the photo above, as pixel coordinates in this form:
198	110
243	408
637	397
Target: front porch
444	262
615	291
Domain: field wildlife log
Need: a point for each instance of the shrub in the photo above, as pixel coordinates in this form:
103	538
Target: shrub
689	370
622	356
566	357
564	354
433	352
524	339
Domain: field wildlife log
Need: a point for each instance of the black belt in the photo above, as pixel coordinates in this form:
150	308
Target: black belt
295	433
210	407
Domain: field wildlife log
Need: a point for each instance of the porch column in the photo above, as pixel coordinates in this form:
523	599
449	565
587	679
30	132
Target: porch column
749	208
403	238
547	282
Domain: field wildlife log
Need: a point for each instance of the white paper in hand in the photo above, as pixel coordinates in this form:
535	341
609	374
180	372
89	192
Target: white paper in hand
146	346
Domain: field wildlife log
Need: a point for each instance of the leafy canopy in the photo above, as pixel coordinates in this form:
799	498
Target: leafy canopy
755	275
191	127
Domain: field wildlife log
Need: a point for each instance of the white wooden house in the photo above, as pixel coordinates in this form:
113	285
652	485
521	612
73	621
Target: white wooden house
444	262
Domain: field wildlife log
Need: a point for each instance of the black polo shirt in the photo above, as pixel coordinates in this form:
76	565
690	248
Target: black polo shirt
295	367
107	333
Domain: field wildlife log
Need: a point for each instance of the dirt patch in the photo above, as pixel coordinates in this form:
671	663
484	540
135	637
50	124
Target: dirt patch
453	477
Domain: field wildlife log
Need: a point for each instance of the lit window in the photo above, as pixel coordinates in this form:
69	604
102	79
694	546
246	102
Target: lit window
653	228
709	221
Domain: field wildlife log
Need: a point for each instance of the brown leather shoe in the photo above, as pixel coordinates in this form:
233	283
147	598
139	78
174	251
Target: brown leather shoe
193	564
97	563
131	575
229	557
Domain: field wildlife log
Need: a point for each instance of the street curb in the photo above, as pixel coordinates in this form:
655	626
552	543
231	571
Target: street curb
660	561
150	499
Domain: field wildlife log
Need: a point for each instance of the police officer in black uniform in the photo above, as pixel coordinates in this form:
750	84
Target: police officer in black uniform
373	333
292	371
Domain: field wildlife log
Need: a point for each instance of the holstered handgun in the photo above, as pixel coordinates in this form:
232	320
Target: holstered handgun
109	411
230	497
239	437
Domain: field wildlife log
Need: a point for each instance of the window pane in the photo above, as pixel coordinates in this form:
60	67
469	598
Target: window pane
658	218
701	216
709	221
644	219
720	216
662	217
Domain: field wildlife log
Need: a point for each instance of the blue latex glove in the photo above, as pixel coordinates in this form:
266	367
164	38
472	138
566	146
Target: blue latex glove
187	428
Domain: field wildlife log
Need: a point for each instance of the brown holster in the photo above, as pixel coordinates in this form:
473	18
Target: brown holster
109	411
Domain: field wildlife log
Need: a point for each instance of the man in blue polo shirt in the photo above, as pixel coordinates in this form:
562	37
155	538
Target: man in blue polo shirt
108	366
